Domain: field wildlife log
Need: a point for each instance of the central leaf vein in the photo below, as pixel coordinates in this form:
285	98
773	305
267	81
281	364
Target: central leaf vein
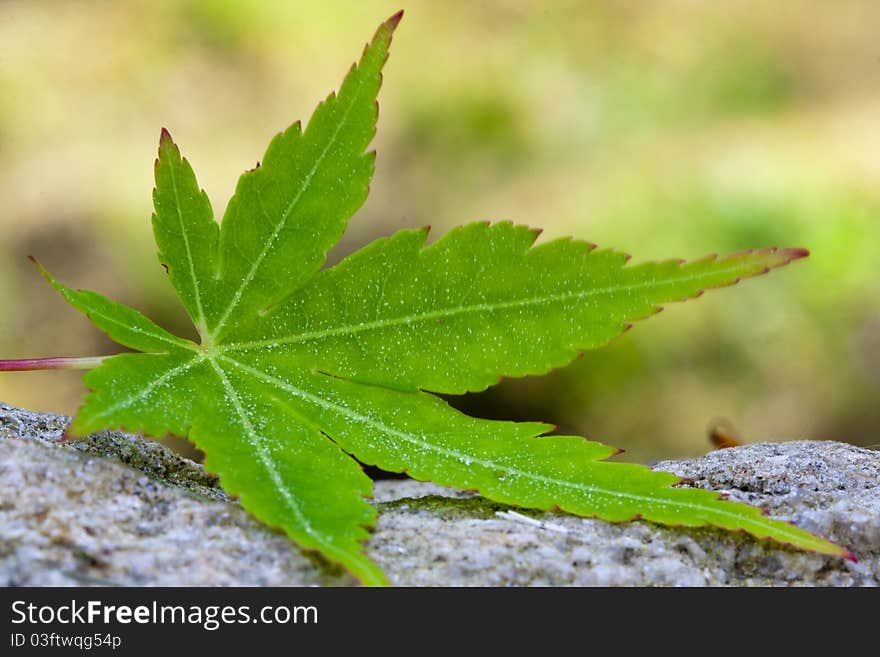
200	319
488	307
258	442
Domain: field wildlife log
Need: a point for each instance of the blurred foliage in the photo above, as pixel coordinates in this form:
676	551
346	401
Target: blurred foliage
668	128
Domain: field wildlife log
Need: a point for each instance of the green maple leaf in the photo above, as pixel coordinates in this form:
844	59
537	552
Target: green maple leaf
298	369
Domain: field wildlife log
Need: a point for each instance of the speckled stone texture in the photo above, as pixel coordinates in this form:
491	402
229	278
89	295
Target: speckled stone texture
117	509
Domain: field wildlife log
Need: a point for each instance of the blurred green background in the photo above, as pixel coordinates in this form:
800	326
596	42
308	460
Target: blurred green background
670	128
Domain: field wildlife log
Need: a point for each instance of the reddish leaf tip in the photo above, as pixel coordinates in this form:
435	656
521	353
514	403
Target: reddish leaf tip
797	253
165	138
394	20
33	259
849	556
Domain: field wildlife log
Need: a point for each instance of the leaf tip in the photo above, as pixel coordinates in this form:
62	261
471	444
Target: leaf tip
832	549
42	269
796	253
392	22
167	148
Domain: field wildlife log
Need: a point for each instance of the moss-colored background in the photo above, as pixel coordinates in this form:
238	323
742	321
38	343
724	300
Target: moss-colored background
668	128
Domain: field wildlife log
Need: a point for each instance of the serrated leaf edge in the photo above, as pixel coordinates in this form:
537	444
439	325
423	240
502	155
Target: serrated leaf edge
770	525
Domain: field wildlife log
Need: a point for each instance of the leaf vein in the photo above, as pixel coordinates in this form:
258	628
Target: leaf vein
146	390
469	460
403	320
200	320
258	442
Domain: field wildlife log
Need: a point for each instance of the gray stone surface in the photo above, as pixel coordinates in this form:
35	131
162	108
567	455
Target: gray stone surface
118	509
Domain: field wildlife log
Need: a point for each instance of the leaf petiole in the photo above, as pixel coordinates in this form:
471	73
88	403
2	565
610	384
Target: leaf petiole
57	363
